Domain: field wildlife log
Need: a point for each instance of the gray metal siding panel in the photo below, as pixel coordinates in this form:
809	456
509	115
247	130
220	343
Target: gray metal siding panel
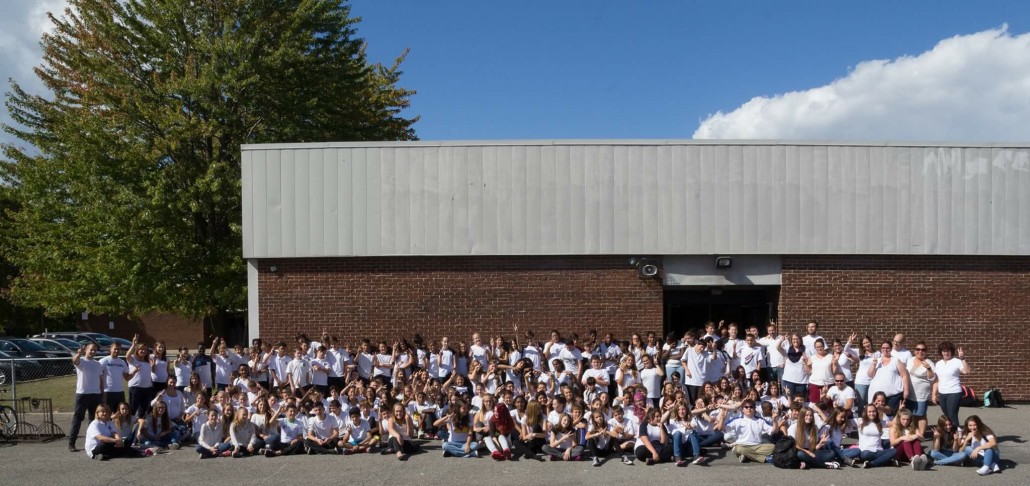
621	198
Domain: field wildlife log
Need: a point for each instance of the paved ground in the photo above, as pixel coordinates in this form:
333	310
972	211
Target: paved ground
52	464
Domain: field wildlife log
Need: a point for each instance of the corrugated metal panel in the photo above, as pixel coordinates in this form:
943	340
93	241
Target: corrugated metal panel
634	197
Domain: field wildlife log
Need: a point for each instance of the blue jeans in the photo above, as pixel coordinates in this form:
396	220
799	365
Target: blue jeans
949	406
457	449
163	442
875	459
710	438
677	444
821	457
989	458
947	457
207	454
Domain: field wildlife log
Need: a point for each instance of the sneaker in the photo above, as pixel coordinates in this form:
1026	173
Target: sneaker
865	465
597	462
915	463
700	460
742	458
497	455
996	468
446	454
403	457
832	465
626	460
985	470
850	462
269	453
71	448
200	456
348	452
576	458
99	457
174	446
682	463
227	454
508	455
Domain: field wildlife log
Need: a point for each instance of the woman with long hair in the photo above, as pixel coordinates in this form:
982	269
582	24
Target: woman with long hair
399	428
890	376
981	445
795	373
653	444
870	449
533	437
562	446
947	443
678	423
811	441
241	433
156	430
866	357
503	426
458	422
906	439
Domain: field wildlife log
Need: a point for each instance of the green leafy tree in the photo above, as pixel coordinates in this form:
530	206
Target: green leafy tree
126	180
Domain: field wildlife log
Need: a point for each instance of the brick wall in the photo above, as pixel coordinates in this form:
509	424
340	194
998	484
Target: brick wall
390	297
979	303
174	330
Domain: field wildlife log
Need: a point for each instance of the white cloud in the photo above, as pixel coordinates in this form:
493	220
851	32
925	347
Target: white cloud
967	88
21	28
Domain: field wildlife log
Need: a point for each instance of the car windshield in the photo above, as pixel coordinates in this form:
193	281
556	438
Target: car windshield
27	345
101	339
50	345
68	343
4	355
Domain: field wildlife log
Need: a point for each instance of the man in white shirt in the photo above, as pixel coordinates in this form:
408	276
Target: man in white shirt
479	352
278	366
298	373
571	355
651	378
733	346
323	430
899	350
365	362
843	395
749	429
774	370
751	355
116	371
598	373
809	339
89	388
446	366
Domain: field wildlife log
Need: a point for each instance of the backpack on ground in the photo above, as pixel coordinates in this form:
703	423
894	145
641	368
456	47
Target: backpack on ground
785	454
969	398
993	399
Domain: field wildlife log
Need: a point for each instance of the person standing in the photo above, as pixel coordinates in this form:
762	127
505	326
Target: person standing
774	371
947	390
141	383
809	339
116	371
89	389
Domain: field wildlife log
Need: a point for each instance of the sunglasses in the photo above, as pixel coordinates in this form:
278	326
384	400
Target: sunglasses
839	381
920	349
748	407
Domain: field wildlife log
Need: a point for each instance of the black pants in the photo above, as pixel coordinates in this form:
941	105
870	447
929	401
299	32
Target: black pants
109	450
289	449
315	448
336	381
692	394
407	447
535	445
85	404
139	400
664	452
113	399
598	451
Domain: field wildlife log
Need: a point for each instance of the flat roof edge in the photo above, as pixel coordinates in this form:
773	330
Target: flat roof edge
626	142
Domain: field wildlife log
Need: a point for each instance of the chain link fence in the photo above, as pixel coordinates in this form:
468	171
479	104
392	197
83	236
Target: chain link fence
31	390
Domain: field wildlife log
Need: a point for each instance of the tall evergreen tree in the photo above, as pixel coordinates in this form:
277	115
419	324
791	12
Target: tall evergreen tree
127	177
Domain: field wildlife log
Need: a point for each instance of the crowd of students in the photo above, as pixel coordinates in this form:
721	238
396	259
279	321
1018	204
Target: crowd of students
569	398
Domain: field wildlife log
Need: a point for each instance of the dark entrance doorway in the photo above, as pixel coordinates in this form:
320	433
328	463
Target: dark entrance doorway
691	307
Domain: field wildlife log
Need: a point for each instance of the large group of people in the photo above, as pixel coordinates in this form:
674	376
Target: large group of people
820	402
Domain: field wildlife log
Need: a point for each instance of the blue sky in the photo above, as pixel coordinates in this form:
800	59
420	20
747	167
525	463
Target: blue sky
872	70
598	69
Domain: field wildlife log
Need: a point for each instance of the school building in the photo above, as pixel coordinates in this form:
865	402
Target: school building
388	239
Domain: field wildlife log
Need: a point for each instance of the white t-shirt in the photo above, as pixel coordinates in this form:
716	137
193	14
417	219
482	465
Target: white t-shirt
223	369
769	343
840	397
299	370
96	428
869	438
571	357
809	342
822	370
653	432
695	363
602	440
949	374
289	431
446	362
323	428
142	376
480	354
115	370
87	376
749	357
862	373
652	381
794	372
922	386
611	354
182	374
904	355
358	432
748	430
320	377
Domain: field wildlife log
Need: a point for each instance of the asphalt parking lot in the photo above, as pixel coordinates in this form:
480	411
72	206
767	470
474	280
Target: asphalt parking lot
51	463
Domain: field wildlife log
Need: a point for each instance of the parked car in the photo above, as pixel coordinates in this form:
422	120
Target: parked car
58	364
55	345
82	338
24	369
